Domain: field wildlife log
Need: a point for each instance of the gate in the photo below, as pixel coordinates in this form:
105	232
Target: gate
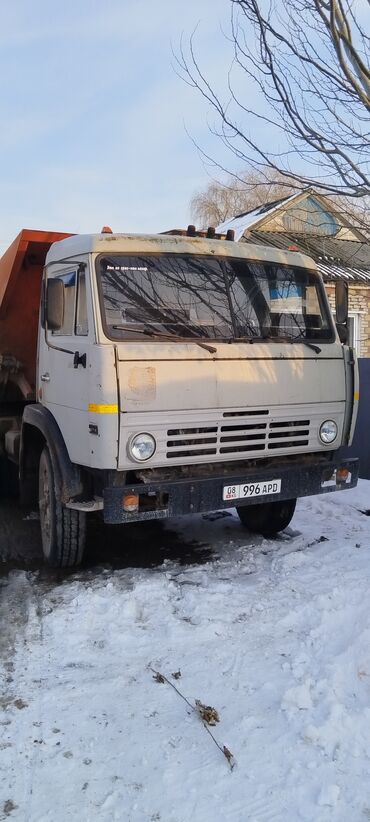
361	441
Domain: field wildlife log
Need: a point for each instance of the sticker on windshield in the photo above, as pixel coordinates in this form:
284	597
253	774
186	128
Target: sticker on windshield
286	299
126	268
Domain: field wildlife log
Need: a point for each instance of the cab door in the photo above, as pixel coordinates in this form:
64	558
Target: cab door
63	366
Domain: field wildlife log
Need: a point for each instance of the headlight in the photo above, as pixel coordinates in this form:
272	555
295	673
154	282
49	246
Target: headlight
328	431
142	447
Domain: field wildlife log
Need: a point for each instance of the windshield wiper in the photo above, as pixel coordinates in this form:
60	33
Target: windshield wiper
150	332
289	339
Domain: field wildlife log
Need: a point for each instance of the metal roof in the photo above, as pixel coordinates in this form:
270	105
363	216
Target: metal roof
339	259
332	272
343	255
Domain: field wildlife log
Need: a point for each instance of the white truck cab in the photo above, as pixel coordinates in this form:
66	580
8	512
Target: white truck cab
180	374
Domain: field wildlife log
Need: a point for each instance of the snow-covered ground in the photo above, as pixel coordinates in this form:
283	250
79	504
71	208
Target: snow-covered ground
274	634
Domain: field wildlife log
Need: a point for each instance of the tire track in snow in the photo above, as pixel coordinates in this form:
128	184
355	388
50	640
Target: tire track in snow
20	618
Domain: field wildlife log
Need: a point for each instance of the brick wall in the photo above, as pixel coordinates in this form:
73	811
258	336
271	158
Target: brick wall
359	303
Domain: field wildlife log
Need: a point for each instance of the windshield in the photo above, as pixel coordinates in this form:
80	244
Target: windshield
199	297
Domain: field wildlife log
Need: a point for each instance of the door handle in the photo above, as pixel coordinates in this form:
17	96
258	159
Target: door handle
45	377
79	359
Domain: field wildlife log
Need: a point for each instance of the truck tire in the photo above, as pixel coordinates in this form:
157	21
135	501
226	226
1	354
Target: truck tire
63	531
267	518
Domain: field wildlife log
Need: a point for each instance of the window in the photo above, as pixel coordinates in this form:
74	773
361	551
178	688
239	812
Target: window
354	332
69	281
75	305
310	217
193	296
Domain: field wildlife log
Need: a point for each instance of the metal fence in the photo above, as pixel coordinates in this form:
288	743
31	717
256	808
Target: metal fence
361	442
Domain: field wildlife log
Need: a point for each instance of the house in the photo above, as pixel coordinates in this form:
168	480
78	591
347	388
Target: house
311	223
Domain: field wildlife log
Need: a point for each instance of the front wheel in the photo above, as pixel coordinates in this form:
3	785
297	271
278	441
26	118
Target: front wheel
267	518
63	531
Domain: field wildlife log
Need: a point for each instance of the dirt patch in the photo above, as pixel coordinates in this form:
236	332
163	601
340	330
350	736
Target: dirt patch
20	544
9	806
140	545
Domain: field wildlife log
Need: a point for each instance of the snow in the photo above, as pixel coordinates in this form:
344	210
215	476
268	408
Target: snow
274	634
242	222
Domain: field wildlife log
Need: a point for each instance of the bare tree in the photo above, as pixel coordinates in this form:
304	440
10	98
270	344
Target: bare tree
308	60
220	200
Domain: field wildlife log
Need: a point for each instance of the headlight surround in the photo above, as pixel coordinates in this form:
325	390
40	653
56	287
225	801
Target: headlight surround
328	432
142	447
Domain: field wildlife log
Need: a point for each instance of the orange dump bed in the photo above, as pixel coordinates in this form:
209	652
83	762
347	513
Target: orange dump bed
21	270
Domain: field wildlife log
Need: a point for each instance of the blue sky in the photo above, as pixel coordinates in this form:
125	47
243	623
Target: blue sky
93	113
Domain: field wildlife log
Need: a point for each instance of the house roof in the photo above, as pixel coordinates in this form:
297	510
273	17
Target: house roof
310	223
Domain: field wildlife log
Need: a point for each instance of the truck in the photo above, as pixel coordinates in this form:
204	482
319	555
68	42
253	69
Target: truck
150	376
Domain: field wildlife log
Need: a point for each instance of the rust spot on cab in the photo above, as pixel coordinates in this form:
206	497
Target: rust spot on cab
142	382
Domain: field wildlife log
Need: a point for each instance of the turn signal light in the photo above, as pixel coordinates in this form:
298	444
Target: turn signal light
130	502
342	474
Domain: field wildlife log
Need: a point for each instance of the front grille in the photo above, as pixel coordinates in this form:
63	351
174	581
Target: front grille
287	434
241	436
187	442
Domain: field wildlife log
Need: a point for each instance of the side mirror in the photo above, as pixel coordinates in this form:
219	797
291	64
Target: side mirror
341	302
55	304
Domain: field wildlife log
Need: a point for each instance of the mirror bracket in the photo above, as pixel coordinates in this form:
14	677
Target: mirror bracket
342	333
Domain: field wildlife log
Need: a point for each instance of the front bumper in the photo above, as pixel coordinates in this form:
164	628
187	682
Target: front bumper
158	500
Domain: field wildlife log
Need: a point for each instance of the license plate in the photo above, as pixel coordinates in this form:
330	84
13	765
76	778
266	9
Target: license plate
251	489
